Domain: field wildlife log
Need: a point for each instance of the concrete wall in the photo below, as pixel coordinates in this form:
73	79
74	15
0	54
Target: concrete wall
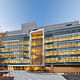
27	27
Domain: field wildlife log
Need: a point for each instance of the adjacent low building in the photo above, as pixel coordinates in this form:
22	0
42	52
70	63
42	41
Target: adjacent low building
54	47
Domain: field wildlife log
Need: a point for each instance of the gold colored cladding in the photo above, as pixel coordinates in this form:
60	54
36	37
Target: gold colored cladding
62	38
14	49
64	45
26	68
10	55
37	47
37	35
58	60
15	43
63	52
16	61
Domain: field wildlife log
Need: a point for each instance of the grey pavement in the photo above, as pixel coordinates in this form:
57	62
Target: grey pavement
23	75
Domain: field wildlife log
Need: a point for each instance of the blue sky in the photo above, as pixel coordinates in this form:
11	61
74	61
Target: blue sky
13	13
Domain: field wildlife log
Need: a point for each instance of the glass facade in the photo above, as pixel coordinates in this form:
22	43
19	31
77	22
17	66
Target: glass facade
42	48
62	46
36	48
15	52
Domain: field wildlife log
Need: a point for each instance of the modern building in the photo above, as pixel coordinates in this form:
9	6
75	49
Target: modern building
54	47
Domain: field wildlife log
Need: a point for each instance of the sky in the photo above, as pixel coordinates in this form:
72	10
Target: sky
13	13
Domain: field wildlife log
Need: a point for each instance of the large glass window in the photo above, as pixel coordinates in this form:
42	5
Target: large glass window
36	48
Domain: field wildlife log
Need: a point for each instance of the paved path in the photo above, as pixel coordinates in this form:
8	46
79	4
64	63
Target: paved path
23	75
